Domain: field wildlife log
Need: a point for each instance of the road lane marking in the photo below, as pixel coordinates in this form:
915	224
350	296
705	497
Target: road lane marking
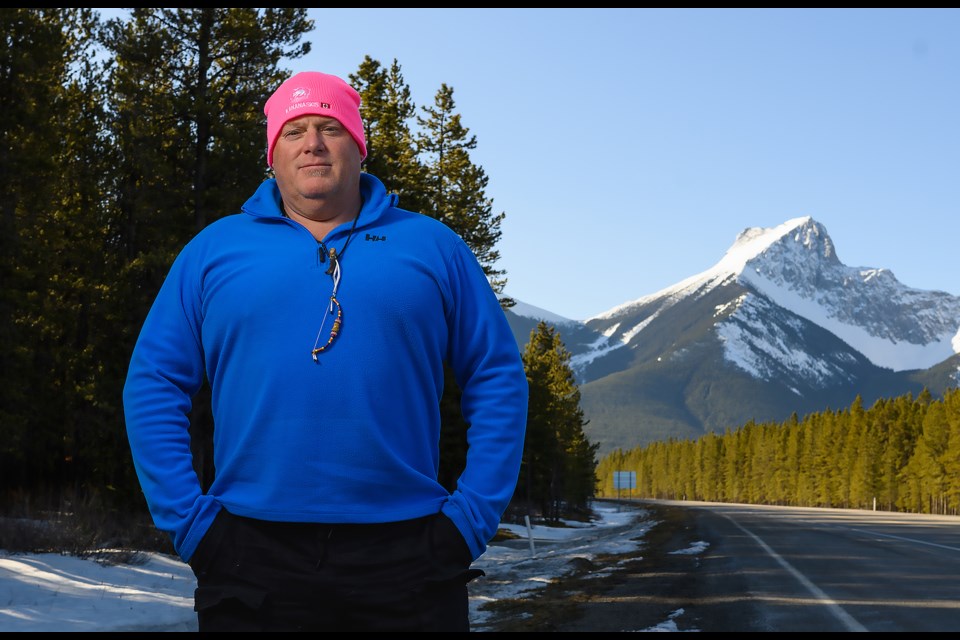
838	612
913	540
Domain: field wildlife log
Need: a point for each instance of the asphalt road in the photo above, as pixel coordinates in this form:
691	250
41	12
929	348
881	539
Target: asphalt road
763	569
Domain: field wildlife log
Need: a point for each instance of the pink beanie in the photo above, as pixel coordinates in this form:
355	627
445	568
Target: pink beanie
314	93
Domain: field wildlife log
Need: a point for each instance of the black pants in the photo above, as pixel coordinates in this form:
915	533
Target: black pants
254	575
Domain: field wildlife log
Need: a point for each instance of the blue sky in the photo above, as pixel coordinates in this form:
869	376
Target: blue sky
629	147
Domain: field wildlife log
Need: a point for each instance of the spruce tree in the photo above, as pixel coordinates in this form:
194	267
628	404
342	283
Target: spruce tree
388	111
558	472
951	454
456	187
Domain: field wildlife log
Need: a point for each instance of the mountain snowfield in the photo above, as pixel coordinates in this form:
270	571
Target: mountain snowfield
795	266
779	326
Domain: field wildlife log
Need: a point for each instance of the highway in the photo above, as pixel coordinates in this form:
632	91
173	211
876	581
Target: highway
797	569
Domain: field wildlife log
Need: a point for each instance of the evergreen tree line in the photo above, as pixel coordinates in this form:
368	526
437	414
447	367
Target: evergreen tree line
121	139
902	454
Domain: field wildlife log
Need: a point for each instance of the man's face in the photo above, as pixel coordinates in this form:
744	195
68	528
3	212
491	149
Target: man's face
316	157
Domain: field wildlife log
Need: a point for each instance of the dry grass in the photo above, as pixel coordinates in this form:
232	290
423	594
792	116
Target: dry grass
82	528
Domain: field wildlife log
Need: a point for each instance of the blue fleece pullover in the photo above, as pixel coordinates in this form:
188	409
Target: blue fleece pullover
352	437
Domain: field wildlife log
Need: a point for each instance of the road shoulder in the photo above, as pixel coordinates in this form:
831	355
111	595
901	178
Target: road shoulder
636	591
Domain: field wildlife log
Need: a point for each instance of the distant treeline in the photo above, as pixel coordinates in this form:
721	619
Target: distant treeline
901	454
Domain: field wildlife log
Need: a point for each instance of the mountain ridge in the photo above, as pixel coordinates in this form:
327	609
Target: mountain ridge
778	325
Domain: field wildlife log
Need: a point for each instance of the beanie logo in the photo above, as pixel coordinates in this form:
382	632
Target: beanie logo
299	95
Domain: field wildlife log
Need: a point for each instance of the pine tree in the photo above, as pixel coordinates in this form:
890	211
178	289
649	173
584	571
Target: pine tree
558	472
709	475
387	111
951	454
865	474
925	470
456	187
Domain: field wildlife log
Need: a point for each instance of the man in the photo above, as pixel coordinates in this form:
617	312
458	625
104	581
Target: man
322	316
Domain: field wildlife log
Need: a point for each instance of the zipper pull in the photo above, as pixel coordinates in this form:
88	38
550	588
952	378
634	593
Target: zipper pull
333	261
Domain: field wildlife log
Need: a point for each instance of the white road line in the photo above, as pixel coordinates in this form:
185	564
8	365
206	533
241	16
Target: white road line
845	618
911	540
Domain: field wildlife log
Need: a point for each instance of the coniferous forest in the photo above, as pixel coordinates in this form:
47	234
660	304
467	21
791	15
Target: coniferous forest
901	454
121	139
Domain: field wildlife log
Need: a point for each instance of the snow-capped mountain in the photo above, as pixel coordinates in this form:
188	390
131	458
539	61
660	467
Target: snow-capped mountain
779	325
